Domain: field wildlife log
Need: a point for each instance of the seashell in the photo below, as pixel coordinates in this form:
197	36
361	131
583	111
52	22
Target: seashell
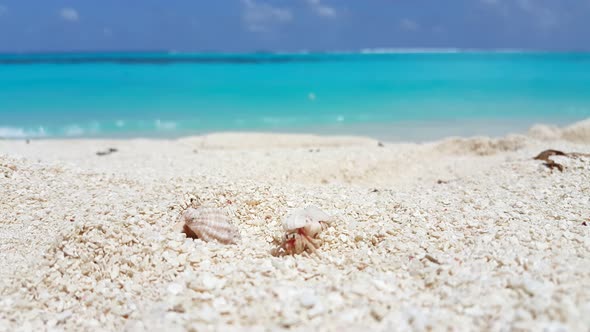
208	224
311	219
317	214
295	220
320	220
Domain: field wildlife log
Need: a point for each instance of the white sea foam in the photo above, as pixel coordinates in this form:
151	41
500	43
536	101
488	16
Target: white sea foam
8	132
386	50
14	132
406	50
74	130
165	125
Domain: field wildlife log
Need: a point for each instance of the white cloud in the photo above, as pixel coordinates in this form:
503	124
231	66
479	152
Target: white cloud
408	24
259	16
69	14
321	9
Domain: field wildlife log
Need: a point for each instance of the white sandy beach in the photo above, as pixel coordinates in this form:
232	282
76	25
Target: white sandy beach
458	234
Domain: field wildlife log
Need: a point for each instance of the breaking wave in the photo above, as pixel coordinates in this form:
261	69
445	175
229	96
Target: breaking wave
14	132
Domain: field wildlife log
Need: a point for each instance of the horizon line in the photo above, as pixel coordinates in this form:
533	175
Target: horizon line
374	50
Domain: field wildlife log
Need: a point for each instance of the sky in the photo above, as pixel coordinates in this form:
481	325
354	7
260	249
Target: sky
291	25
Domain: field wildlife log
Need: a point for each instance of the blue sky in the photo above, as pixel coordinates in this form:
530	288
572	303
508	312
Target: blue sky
291	25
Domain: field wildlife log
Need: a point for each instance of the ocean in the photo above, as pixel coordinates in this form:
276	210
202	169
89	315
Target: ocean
395	96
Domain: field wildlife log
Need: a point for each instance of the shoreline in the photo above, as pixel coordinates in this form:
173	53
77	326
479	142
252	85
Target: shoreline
576	132
413	131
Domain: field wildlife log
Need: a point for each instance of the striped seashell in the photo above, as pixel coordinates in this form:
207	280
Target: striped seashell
209	224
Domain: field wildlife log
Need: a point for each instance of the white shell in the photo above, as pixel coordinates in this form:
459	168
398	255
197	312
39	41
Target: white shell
294	220
209	224
312	219
317	214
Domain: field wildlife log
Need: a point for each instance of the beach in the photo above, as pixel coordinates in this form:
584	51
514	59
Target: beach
456	234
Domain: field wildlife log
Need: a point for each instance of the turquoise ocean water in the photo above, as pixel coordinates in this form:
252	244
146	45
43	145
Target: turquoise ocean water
393	95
